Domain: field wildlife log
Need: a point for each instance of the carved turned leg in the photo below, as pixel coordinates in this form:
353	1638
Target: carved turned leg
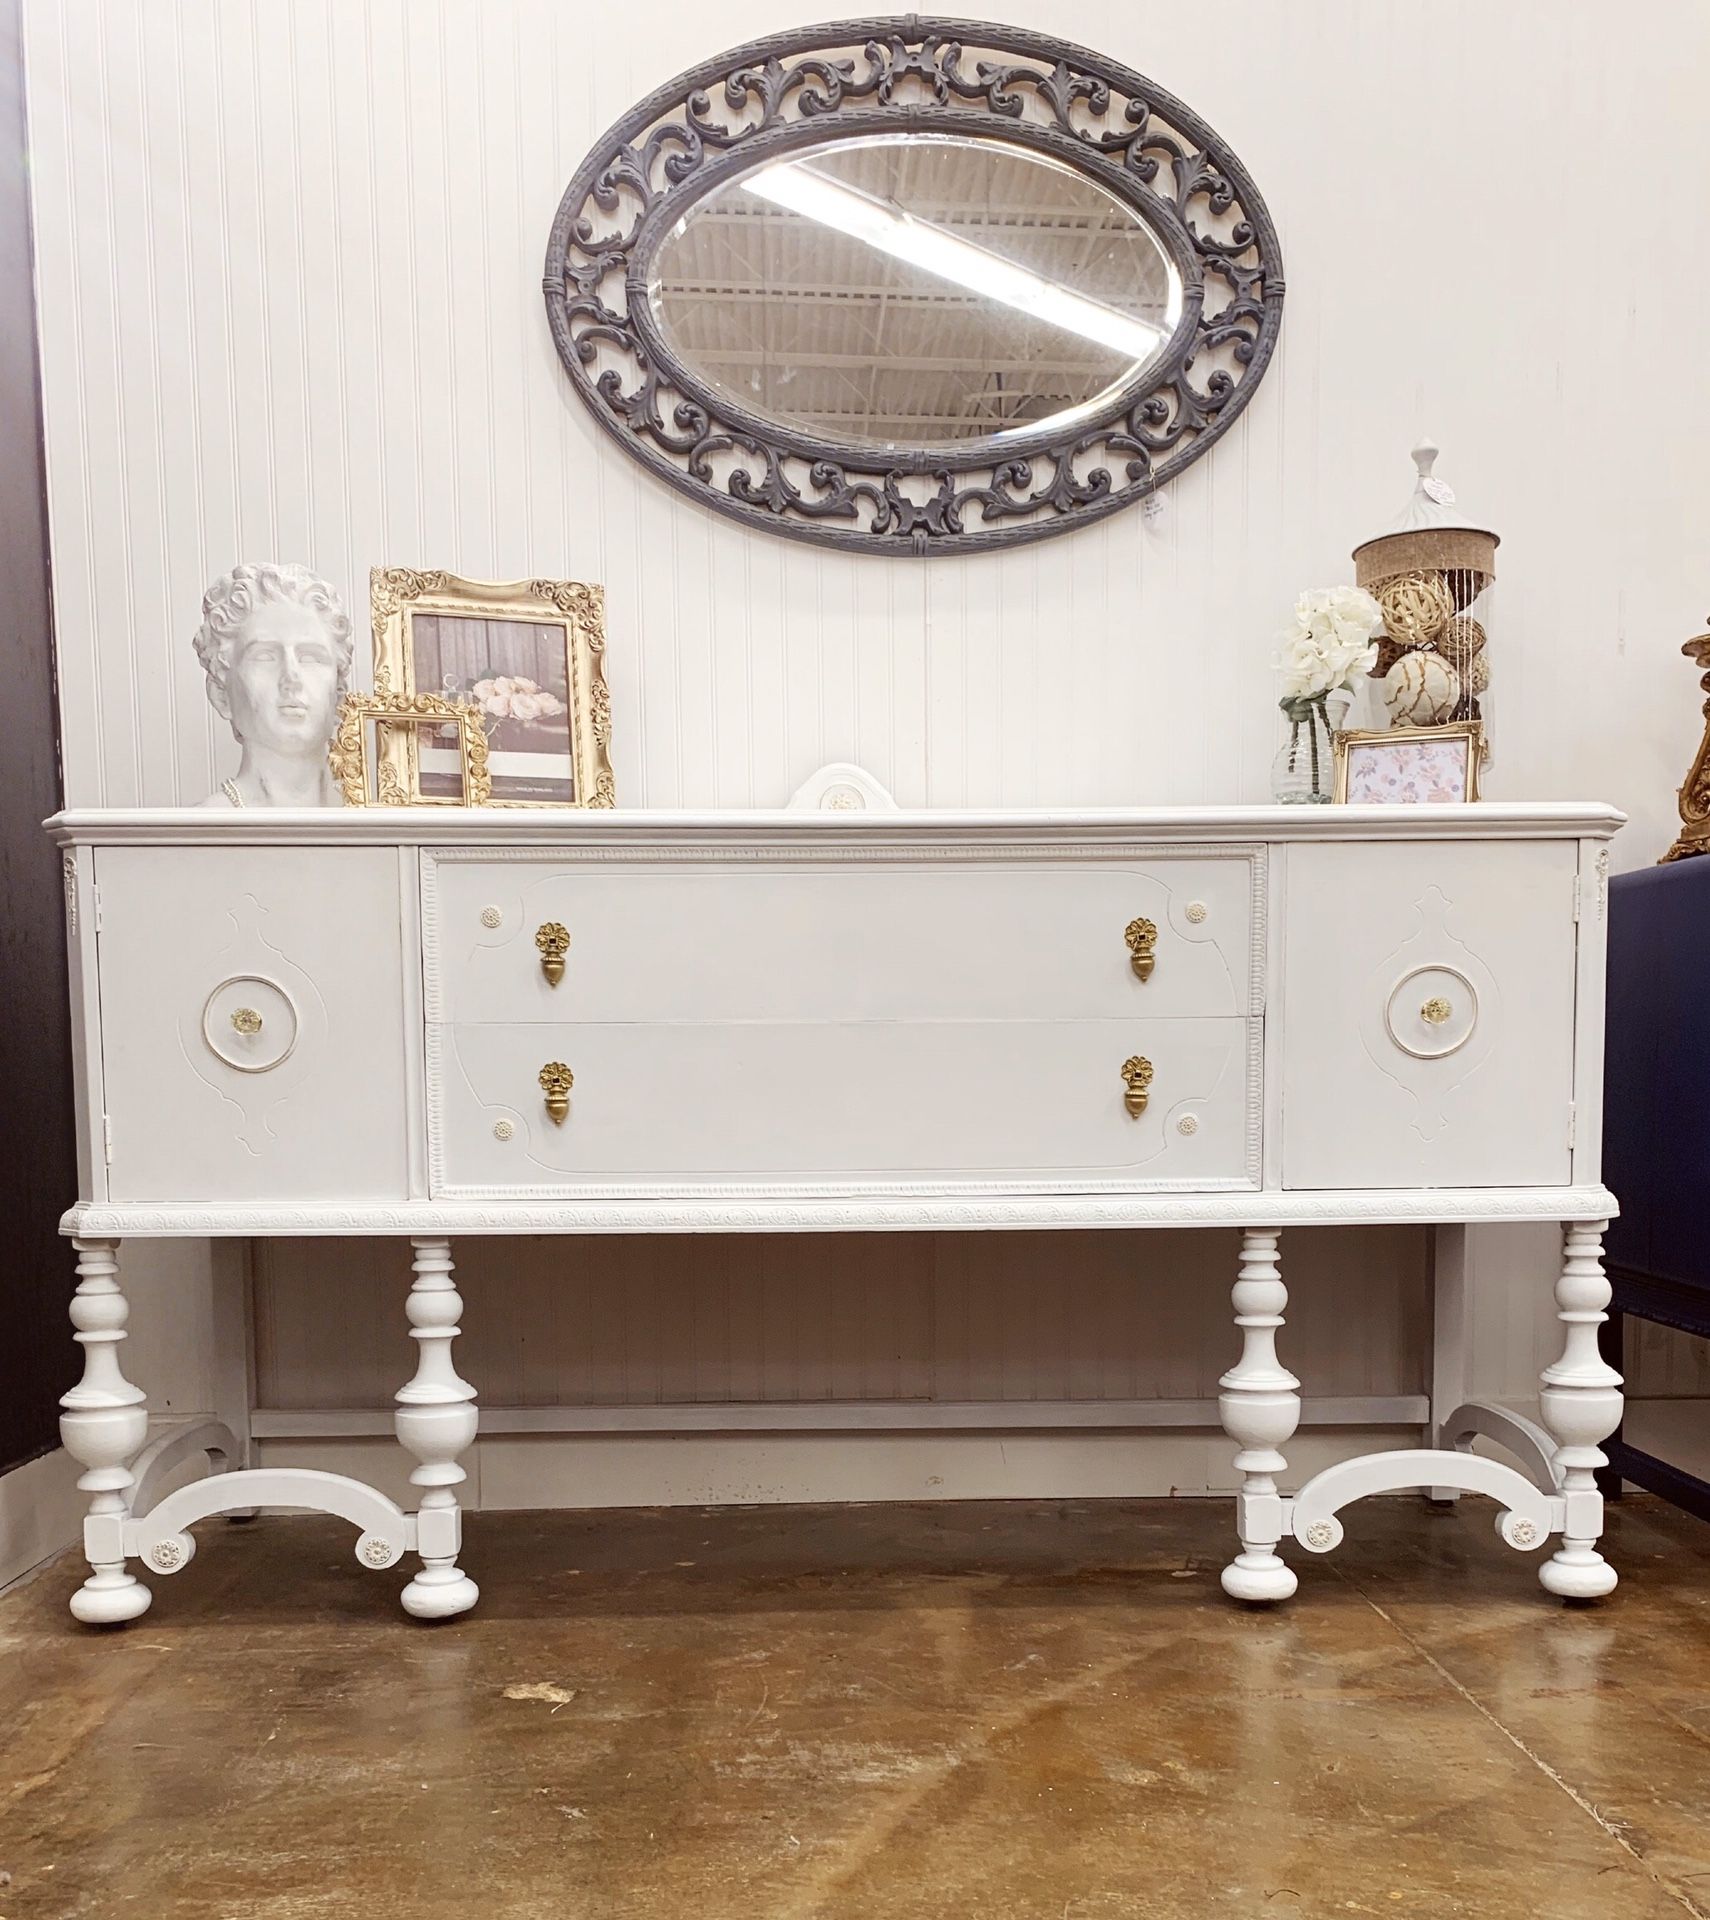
436	1420
1448	1340
1581	1400
104	1424
1260	1408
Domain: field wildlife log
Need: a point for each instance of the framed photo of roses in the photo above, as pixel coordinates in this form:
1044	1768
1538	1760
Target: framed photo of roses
527	655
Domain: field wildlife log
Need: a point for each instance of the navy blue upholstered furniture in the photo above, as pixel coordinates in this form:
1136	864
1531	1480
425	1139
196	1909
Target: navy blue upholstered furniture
1656	1153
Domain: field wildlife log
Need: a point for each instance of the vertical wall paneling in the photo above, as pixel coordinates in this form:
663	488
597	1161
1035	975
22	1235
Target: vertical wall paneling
931	1317
288	264
290	305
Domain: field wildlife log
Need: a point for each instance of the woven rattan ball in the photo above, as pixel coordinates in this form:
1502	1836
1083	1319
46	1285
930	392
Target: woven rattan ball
1416	607
1461	641
1476	675
1420	690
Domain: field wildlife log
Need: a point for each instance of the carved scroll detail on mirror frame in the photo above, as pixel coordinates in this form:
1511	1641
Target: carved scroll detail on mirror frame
779	96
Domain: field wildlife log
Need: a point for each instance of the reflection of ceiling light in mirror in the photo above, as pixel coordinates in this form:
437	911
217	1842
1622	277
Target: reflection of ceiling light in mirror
793	184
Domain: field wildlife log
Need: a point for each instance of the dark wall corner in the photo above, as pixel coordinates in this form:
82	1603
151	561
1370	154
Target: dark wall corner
38	1177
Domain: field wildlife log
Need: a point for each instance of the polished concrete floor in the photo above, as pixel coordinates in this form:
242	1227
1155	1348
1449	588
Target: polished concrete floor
963	1712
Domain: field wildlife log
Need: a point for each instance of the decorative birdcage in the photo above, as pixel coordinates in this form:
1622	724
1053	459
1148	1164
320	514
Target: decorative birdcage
1432	573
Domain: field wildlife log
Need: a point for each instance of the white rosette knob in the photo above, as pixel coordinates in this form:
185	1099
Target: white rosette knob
172	1553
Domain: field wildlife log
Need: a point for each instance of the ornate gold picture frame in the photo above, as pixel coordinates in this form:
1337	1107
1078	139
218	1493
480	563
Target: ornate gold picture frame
372	778
528	655
1409	766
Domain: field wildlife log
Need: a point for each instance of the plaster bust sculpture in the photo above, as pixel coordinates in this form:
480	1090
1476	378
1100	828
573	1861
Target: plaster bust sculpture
275	643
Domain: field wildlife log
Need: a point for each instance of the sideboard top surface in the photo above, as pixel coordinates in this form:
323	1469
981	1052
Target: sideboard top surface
569	827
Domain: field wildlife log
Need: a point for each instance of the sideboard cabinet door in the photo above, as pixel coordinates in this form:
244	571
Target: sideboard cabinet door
252	1025
1428	1014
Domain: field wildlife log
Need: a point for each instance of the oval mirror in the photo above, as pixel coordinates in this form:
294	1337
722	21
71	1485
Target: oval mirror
932	290
915	291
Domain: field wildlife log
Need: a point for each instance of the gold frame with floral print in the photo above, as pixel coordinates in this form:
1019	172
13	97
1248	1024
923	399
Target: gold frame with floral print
1469	733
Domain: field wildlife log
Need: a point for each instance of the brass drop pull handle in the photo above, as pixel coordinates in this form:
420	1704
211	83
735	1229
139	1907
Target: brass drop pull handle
246	1019
1136	1083
1142	938
553	940
556	1080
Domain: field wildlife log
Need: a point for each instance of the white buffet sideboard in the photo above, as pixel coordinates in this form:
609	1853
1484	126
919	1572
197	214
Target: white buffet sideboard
425	1022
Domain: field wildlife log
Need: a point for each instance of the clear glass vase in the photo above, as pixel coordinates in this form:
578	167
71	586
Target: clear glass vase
1303	772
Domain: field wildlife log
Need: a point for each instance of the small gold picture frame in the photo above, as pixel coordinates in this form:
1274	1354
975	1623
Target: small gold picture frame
529	655
369	779
1409	766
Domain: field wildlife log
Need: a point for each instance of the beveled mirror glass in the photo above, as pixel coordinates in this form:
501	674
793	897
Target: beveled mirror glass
915	291
913	287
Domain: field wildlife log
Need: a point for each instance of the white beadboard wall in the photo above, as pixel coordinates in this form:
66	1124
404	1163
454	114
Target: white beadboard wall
288	261
1006	1318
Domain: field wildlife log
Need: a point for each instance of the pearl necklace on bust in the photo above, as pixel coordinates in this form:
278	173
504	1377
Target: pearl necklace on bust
234	794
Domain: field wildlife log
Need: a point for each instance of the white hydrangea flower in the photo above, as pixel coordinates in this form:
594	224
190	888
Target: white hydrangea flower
1330	643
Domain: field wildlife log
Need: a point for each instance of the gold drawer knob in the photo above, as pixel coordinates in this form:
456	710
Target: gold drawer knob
553	941
1142	938
1136	1083
556	1080
246	1019
1435	1011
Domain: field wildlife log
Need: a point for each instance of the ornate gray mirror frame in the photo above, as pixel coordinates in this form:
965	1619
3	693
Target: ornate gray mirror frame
854	79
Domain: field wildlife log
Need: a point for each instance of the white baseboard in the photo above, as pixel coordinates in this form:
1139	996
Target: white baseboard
523	1470
41	1512
1677	1431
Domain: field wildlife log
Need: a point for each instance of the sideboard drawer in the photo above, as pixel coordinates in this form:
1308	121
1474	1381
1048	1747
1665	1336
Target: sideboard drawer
773	1100
828	940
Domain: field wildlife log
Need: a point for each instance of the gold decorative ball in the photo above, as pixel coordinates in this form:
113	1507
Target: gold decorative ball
1416	607
1461	641
1421	690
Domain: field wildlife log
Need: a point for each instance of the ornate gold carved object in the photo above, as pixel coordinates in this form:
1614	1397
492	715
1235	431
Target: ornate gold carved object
553	940
556	1080
572	611
1142	938
1137	1082
1435	1011
246	1019
1695	789
366	777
